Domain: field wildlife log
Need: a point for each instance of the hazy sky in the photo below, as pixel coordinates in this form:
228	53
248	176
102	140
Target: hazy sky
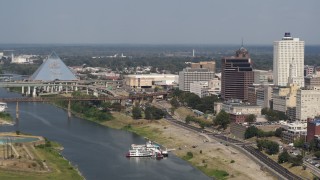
158	21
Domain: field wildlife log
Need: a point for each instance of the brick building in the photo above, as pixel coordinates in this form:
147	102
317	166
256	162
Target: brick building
313	129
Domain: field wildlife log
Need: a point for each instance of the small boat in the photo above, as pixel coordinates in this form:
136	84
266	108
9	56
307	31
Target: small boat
165	153
3	106
149	149
139	153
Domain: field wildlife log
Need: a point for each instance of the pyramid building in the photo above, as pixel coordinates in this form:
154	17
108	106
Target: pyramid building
53	69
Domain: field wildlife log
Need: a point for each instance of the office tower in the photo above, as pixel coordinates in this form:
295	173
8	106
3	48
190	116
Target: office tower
189	75
236	75
288	53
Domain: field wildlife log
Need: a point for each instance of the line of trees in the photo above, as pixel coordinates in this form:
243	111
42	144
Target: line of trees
273	115
93	110
205	104
150	113
270	147
294	160
253	131
200	122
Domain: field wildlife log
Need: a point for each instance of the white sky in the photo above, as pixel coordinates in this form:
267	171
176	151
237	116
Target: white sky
158	21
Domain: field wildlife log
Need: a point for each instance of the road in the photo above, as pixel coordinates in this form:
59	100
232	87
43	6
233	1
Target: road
247	147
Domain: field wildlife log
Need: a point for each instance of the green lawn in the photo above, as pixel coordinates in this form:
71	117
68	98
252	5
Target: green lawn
61	169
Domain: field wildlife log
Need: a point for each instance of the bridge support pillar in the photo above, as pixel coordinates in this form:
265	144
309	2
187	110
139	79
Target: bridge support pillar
34	93
69	109
154	99
66	87
29	90
87	90
17	111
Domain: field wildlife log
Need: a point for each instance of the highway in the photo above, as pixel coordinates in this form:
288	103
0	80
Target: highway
247	147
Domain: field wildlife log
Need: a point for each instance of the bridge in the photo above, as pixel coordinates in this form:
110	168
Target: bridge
136	97
32	88
106	98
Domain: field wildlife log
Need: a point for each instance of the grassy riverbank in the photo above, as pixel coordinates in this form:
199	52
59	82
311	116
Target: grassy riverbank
212	158
48	163
4	116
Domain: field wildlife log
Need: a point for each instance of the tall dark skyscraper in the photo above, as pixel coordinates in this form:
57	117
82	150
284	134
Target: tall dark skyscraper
236	75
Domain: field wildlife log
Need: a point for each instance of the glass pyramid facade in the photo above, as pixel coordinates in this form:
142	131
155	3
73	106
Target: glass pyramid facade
53	69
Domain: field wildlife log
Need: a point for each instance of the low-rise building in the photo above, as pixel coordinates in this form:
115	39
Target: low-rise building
293	131
308	103
139	81
312	82
238	107
199	88
262	76
238	117
313	129
214	86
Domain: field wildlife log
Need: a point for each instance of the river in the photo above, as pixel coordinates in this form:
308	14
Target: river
97	151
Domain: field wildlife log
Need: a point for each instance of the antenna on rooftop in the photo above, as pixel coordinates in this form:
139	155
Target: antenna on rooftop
242	42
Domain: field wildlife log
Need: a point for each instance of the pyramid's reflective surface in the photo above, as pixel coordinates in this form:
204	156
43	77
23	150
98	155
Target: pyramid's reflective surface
53	69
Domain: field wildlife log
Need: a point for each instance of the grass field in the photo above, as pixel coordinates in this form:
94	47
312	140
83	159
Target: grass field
60	168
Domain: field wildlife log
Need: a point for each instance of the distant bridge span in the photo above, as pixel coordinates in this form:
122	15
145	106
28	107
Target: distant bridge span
49	99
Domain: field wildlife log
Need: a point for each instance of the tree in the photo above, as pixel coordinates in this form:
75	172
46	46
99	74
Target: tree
222	119
270	146
116	106
298	143
278	132
317	154
152	112
251	132
192	100
283	157
174	102
136	112
251	118
296	161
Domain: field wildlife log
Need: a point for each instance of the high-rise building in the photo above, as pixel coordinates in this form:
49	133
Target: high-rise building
236	75
189	75
288	53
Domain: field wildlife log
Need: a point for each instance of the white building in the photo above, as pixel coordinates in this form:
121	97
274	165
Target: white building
262	76
293	131
189	75
138	81
199	88
288	51
308	104
22	59
214	86
238	107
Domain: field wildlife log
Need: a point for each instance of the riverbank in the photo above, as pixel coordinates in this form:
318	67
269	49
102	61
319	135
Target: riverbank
211	157
5	118
39	159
